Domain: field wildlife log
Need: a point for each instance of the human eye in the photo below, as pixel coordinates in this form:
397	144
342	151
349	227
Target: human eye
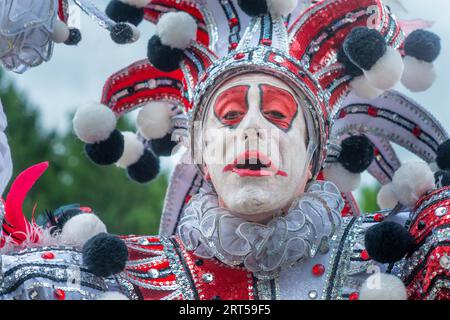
232	115
275	114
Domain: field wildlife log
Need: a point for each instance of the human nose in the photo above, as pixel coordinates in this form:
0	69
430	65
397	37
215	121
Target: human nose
253	130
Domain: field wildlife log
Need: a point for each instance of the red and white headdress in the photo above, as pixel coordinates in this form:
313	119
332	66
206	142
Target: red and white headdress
323	53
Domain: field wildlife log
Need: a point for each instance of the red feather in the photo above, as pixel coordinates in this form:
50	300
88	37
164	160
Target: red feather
15	223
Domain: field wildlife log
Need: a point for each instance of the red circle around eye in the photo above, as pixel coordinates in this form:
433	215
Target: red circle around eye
278	105
232	118
277	119
231	106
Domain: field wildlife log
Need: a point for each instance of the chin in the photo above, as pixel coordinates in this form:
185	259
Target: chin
251	200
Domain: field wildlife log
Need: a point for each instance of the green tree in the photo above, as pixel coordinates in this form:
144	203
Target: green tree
125	206
368	201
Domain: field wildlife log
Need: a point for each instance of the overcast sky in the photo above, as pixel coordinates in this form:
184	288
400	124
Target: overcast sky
75	75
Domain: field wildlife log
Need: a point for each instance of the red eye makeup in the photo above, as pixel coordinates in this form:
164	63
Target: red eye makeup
278	106
231	105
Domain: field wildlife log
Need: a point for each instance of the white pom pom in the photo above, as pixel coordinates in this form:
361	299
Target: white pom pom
60	32
133	150
411	182
386	198
136	32
281	7
362	88
382	286
94	123
345	180
418	75
136	3
81	228
112	296
176	30
154	120
434	166
387	72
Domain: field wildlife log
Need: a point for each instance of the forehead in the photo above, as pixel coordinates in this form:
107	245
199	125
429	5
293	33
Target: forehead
252	79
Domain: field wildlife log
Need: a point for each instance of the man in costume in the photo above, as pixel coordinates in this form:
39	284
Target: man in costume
274	153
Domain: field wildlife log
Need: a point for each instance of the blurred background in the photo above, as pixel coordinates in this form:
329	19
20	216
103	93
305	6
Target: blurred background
40	104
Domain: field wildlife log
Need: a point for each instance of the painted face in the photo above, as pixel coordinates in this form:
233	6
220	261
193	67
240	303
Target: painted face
254	145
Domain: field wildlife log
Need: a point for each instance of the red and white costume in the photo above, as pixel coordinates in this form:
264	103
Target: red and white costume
316	249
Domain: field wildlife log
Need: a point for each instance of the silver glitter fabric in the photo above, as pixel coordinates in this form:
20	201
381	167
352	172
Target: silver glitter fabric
164	269
390	118
263	249
95	14
25	28
55	273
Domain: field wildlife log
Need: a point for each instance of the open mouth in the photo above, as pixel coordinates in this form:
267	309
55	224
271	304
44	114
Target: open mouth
253	164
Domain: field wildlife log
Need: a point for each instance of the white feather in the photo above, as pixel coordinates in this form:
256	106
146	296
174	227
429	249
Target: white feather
75	233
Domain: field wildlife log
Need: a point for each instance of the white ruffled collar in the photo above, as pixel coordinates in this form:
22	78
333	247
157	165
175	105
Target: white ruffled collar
212	231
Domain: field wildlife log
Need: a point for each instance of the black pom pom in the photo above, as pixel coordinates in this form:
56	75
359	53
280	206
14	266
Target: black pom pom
388	242
423	45
351	69
443	156
163	147
442	178
163	57
122	33
357	154
122	12
364	47
146	169
254	8
106	152
105	255
74	37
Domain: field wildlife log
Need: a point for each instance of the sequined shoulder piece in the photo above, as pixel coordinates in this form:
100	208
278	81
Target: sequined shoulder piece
350	264
161	268
426	273
45	273
148	274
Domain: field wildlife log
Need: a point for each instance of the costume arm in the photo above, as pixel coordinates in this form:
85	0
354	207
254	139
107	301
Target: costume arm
426	272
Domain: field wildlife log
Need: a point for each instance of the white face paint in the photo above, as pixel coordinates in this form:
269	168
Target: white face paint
255	149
